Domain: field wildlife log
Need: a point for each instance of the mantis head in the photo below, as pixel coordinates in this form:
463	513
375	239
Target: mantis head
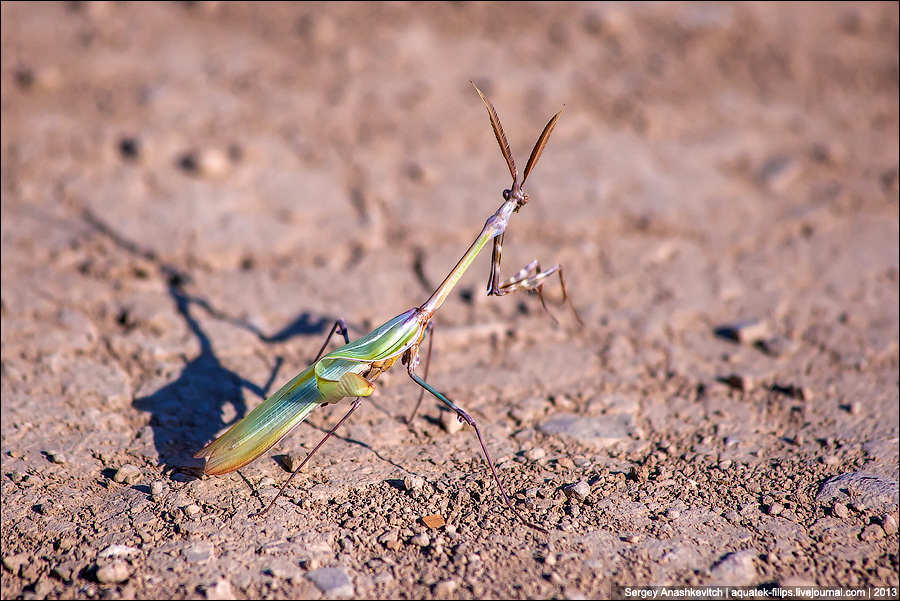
516	192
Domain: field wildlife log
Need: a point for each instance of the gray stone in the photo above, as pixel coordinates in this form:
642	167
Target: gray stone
745	332
57	457
862	489
14	562
199	553
871	533
774	508
528	409
413	483
421	540
735	569
450	422
333	582
599	431
889	524
117	571
127	474
118	551
579	490
445	588
221	590
535	454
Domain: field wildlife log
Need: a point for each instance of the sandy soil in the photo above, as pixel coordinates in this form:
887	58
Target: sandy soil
192	193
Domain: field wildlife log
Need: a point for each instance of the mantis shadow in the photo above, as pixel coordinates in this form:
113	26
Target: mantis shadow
188	412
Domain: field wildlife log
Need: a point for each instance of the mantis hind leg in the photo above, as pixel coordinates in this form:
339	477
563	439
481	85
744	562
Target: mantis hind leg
339	326
465	417
356	404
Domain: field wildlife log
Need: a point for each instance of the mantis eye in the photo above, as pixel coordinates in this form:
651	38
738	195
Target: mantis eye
506	195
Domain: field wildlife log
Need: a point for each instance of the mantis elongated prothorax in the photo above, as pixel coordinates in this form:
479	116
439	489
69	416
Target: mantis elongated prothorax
351	370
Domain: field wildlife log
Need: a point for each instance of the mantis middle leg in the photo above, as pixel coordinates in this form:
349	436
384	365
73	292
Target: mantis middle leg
356	404
339	326
465	417
429	330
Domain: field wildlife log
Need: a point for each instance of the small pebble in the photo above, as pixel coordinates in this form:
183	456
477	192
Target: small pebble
739	381
192	510
57	457
267	481
199	553
565	463
333	582
115	572
390	539
129	148
127	474
292	461
872	532
672	513
775	508
889	524
434	521
746	332
445	588
778	172
14	562
211	162
840	510
118	551
535	454
421	540
580	490
156	488
776	346
450	422
221	590
413	483
725	465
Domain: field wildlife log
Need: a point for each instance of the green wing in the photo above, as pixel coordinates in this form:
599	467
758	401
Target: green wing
331	378
264	426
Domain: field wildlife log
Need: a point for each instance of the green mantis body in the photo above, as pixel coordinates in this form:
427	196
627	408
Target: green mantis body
351	370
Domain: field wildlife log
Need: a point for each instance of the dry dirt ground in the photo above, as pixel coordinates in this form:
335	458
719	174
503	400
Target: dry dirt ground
192	193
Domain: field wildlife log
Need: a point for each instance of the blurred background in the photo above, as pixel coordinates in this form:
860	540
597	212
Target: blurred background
193	192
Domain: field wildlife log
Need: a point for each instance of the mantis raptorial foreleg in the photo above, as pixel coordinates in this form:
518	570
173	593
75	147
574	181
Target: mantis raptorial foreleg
429	330
529	277
465	417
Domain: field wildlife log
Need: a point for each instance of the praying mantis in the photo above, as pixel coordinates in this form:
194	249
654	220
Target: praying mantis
351	370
